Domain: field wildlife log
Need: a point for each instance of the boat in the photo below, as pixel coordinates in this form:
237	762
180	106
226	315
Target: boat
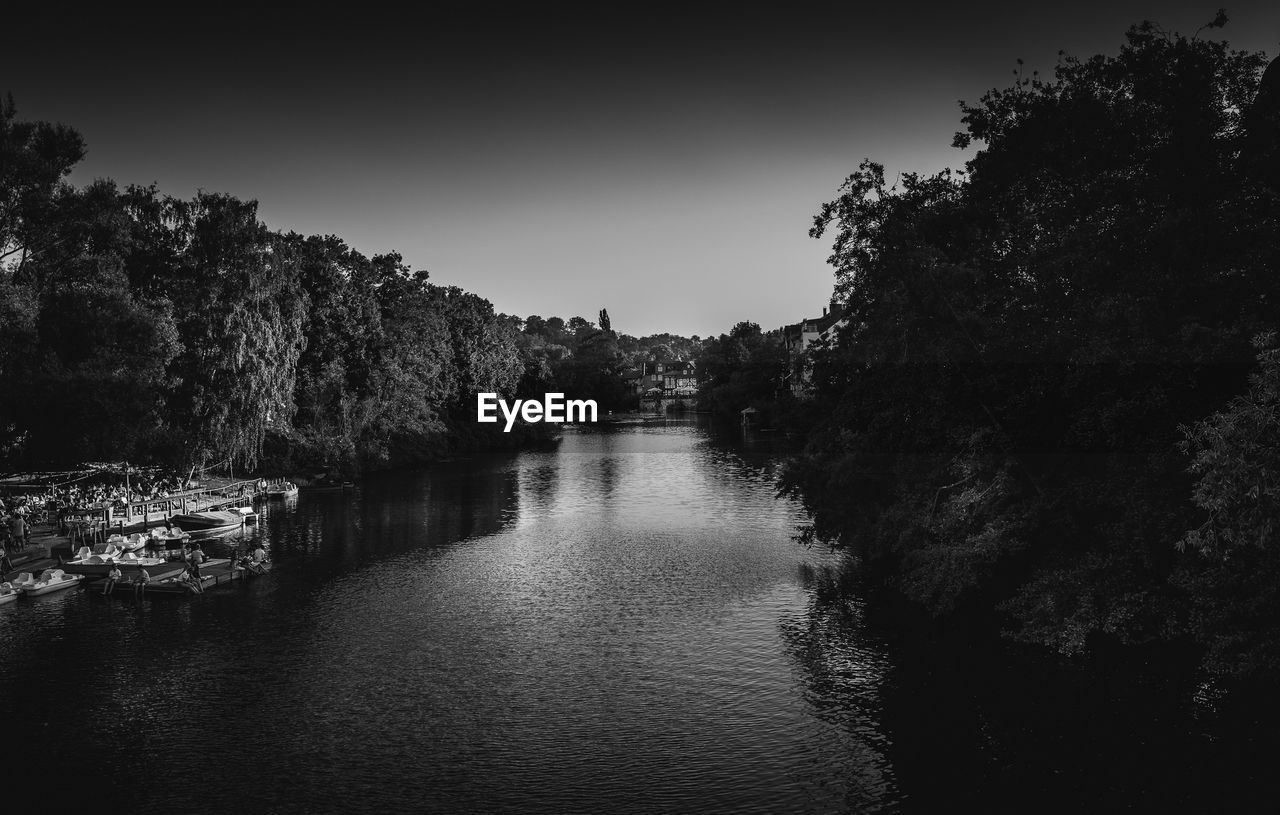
51	580
98	566
167	538
129	543
284	489
210	522
8	593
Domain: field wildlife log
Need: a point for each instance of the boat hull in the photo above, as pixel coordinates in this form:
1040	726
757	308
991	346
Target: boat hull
200	524
8	598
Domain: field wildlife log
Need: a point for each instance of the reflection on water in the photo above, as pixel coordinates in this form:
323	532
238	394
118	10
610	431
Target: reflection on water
614	624
622	623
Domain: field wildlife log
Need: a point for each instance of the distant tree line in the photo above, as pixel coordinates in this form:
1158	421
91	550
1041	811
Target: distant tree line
134	325
588	360
1056	404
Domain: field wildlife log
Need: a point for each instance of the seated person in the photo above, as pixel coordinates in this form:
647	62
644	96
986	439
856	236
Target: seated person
113	577
258	559
140	582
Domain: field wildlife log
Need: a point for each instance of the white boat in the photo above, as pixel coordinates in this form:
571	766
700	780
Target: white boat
128	543
8	593
285	489
164	537
52	580
97	566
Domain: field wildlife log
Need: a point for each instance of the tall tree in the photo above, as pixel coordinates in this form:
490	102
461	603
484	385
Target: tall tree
1026	338
241	316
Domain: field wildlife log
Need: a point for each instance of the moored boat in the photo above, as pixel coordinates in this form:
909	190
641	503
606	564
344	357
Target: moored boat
208	523
283	489
129	543
51	580
98	566
8	593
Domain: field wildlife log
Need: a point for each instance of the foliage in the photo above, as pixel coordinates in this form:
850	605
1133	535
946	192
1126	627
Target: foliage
741	369
1026	337
1235	580
142	326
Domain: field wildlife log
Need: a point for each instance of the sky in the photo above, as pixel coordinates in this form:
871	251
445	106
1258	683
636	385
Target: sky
661	160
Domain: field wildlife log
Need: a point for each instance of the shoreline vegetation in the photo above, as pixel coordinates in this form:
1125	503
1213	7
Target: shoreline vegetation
1052	411
135	326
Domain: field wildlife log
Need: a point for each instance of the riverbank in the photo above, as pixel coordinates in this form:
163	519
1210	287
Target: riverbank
311	461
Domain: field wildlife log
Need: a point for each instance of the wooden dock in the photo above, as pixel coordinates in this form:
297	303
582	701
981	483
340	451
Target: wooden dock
214	572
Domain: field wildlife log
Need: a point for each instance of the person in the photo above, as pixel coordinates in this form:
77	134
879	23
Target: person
140	583
113	577
191	582
18	529
194	560
258	559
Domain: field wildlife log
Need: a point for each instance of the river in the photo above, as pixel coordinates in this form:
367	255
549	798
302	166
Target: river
621	623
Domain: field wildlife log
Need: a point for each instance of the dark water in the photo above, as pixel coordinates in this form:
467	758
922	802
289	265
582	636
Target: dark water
621	624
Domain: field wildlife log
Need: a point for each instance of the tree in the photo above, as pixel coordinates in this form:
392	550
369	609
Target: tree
534	324
1025	338
242	310
1234	576
35	157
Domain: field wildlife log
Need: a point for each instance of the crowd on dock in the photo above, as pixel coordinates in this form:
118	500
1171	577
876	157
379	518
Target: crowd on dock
17	518
105	493
52	503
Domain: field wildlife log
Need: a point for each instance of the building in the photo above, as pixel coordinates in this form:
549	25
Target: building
666	379
798	337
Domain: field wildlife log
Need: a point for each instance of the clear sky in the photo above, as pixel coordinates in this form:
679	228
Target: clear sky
660	160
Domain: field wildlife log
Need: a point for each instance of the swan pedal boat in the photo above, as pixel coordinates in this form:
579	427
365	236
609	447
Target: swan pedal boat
129	543
51	580
93	565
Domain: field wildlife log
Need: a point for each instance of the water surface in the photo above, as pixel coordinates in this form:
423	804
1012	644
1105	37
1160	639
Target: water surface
622	623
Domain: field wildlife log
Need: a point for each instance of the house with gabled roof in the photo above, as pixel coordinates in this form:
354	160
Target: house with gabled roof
798	337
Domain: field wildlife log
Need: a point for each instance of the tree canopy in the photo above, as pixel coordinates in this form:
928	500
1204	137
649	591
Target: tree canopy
1027	336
